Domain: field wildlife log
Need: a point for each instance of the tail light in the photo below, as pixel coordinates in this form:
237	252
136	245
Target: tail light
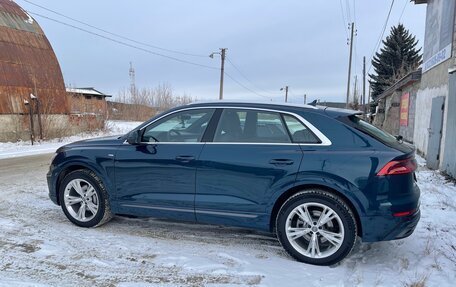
398	167
403	213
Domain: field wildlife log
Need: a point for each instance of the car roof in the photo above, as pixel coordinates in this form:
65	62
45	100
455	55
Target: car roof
292	107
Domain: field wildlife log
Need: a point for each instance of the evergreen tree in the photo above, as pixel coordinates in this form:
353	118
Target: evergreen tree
396	58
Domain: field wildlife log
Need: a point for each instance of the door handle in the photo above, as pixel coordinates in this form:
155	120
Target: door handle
281	161
185	158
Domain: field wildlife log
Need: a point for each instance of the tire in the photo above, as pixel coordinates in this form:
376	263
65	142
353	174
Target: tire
325	238
84	199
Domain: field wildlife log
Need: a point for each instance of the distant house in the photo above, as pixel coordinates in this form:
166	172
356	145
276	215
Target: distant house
88	107
87	101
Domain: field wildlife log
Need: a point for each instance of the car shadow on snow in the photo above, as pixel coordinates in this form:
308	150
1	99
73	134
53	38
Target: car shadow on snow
164	229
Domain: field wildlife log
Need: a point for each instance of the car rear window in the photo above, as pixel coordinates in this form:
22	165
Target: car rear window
371	130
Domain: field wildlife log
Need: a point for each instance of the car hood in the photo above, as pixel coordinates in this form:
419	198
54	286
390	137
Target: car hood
101	141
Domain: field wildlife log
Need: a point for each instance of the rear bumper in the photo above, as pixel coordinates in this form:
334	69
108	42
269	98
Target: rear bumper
405	228
382	228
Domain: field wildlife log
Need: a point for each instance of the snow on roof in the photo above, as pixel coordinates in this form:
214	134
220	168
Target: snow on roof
86	91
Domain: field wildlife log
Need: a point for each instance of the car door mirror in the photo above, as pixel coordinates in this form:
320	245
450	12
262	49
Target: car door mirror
134	137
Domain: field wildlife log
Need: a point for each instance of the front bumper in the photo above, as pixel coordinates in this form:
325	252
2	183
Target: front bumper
52	186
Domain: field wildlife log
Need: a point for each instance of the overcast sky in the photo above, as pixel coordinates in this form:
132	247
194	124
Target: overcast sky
302	44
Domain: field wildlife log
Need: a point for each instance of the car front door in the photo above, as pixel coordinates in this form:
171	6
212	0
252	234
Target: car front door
157	177
252	156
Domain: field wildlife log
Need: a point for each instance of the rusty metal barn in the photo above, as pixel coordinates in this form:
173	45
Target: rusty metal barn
28	65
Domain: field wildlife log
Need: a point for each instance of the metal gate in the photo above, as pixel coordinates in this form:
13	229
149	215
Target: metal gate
435	132
449	160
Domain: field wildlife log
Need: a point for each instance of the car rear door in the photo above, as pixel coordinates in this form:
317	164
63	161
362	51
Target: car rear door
157	177
251	158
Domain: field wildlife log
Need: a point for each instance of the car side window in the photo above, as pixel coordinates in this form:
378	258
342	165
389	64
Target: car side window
250	126
299	132
184	126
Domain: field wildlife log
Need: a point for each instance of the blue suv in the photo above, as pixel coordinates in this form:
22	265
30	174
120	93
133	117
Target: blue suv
314	176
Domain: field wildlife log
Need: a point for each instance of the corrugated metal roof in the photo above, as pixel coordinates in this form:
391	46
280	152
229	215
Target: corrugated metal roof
27	64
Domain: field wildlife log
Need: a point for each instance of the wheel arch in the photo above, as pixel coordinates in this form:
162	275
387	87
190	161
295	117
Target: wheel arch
298	188
70	167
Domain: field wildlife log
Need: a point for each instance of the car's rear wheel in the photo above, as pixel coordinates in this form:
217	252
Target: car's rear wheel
84	199
316	227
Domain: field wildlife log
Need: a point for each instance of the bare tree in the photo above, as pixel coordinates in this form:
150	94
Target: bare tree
140	102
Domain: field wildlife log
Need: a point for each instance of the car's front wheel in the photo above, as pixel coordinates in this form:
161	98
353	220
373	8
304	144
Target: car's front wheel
84	199
316	227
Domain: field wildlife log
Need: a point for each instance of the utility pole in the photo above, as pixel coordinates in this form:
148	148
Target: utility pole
355	92
364	86
369	99
350	63
32	132
132	75
222	73
36	101
286	93
222	54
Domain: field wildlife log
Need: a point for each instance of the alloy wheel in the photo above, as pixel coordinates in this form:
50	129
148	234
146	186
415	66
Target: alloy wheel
314	230
81	200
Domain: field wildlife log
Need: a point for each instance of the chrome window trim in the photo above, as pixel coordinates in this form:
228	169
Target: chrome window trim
324	140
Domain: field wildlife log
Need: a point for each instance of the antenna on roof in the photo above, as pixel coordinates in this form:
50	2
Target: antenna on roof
313	103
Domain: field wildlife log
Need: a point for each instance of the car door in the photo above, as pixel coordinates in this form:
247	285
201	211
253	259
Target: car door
251	157
157	177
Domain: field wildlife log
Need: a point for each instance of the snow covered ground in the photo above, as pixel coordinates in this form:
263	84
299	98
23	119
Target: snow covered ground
8	150
40	247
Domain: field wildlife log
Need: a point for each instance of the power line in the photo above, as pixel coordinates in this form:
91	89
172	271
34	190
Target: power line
347	4
246	78
243	86
381	35
403	10
144	50
345	23
114	34
354	10
355	44
123	43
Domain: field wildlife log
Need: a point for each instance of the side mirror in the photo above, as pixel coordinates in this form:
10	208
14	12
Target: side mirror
399	138
134	137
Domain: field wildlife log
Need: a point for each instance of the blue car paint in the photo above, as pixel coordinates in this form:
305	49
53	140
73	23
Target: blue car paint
151	180
241	180
228	187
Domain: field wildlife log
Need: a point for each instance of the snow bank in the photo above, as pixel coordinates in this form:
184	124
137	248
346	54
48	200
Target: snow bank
22	148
